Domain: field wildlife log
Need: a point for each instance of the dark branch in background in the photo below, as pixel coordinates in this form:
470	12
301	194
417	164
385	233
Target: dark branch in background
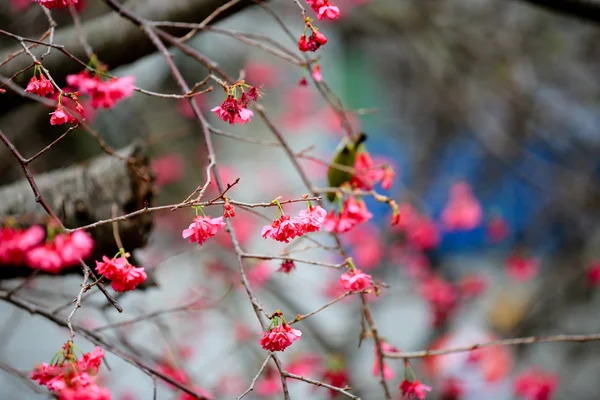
586	10
115	41
83	194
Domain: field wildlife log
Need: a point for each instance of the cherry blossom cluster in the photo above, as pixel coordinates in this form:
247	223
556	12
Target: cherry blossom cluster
324	9
354	212
105	93
285	228
280	335
42	86
315	40
122	274
72	378
234	109
57	3
49	253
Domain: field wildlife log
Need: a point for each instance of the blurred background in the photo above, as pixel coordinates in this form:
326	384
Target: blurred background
495	98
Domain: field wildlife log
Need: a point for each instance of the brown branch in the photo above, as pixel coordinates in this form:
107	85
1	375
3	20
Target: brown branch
502	342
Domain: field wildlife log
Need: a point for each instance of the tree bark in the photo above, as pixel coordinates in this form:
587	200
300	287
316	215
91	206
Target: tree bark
84	194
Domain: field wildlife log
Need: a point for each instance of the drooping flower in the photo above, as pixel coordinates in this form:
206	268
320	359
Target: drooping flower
122	274
314	42
228	210
129	279
279	337
356	280
203	228
287	266
282	229
73	379
388	372
234	110
414	389
61	116
41	87
535	385
310	219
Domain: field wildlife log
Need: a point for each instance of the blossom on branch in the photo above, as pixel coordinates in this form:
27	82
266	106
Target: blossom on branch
414	389
105	93
356	281
61	116
203	228
41	87
123	275
71	378
279	337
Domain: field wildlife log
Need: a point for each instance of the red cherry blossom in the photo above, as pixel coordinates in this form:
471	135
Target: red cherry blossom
388	373
287	266
354	212
423	234
61	116
57	3
279	338
303	44
356	280
414	389
337	377
129	279
41	87
123	275
233	111
303	82
282	229
203	228
535	385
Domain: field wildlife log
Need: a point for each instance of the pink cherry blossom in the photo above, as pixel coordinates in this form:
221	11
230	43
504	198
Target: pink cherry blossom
45	258
310	219
356	280
203	228
74	246
441	296
328	12
282	229
366	173
279	338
